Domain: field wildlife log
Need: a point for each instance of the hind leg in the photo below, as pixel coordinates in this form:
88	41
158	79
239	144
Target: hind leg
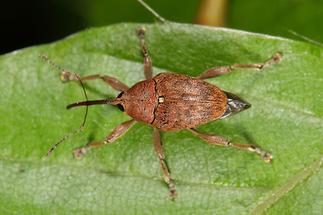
220	141
217	71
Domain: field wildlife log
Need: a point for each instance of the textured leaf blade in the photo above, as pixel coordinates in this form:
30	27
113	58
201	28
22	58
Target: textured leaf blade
286	118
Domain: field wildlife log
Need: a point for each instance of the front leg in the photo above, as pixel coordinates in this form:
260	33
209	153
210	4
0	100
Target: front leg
115	134
72	76
217	71
113	82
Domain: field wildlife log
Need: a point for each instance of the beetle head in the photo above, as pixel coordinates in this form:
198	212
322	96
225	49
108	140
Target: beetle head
234	105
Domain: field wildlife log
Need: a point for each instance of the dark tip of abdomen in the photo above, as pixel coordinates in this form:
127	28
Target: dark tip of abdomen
235	105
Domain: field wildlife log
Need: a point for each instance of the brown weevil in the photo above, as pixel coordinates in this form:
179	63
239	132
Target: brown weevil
171	102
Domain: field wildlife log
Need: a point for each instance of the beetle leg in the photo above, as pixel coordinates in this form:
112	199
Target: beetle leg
114	135
160	153
71	76
148	68
113	82
217	71
220	141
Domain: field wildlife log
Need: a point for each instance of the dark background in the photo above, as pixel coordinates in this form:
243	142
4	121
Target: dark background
27	23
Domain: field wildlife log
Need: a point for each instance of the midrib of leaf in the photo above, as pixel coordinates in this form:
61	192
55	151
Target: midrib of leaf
280	192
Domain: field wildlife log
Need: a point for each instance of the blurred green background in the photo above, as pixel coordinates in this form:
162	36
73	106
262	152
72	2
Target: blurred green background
27	23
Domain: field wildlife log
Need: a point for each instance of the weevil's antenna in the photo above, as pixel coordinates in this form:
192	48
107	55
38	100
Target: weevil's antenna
152	11
78	130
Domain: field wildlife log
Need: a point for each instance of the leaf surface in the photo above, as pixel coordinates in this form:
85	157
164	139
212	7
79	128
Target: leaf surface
125	178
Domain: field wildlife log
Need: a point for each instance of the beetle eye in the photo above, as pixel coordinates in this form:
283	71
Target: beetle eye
120	107
119	96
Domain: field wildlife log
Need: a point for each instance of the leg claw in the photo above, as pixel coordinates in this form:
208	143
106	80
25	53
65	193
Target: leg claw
79	152
173	194
267	157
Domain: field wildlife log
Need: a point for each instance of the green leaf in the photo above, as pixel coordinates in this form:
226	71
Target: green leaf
125	177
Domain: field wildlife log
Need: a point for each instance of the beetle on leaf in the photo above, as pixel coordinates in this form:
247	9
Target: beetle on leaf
169	102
